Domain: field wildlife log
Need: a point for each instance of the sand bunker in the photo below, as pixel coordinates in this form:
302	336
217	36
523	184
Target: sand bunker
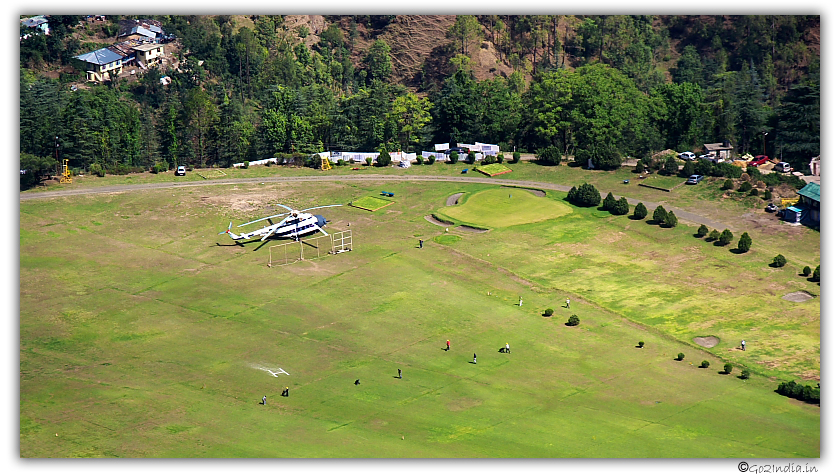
452	200
708	341
798	296
437	221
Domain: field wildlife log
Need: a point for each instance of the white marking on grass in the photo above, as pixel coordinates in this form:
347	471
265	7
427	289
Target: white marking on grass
273	372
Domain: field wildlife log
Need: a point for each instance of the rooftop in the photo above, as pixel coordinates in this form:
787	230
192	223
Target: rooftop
100	56
811	190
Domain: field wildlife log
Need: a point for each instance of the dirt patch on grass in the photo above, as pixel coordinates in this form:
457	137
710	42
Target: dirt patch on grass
452	200
460	404
798	296
707	341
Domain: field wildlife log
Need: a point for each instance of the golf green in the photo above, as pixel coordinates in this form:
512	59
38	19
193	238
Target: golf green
505	207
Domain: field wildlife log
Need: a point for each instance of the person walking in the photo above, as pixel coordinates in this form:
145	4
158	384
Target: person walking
475	359
263	401
356	382
421	243
399	373
743	345
447	344
567	303
520	301
507	348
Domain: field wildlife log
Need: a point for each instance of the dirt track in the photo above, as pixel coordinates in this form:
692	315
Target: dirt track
682	215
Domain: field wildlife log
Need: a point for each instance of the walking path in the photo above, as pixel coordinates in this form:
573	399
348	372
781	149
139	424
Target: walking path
682	215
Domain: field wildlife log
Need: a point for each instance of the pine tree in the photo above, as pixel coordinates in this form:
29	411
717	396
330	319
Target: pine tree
726	237
622	207
702	231
659	215
745	243
609	202
671	219
640	211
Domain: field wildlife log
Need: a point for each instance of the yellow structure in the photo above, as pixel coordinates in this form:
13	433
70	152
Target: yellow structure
789	201
325	164
65	173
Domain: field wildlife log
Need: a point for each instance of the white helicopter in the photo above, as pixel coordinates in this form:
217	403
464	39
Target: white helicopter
295	225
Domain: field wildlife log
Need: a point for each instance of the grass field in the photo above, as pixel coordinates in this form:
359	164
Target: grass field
140	328
493	169
370	203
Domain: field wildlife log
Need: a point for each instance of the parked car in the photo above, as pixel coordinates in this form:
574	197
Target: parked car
457	149
709	157
180	171
771	208
694	179
687	155
759	160
783	167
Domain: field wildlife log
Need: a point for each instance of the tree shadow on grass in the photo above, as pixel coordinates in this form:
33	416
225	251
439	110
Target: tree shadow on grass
736	251
723	372
720	244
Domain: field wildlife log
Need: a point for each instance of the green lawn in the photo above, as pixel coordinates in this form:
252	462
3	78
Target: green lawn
503	207
493	169
370	203
141	327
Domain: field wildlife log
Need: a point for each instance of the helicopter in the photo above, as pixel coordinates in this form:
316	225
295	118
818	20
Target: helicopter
295	225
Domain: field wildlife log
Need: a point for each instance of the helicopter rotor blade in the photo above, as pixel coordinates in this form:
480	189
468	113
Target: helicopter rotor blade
286	207
319	207
264	218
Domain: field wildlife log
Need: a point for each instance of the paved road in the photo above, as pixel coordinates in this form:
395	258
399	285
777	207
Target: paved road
682	215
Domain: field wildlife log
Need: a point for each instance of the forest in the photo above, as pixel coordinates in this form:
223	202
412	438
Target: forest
600	87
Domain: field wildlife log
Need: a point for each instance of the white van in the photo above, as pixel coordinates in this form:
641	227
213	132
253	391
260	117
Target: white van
782	167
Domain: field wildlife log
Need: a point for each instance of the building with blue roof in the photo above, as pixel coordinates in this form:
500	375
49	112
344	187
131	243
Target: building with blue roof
101	64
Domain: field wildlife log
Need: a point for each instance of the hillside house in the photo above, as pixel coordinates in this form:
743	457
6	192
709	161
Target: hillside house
721	151
101	64
141	30
34	26
148	54
809	202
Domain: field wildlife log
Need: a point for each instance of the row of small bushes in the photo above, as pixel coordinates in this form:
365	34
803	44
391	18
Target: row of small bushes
725	237
801	392
727	367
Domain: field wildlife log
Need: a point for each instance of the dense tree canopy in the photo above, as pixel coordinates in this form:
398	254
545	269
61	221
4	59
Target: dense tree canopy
588	87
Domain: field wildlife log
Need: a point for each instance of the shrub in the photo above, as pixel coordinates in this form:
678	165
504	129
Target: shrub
573	320
727	368
702	231
500	159
488	160
340	162
745	186
687	169
548	312
806	271
384	159
753	192
453	157
671	219
640	212
802	392
726	237
431	159
470	157
779	261
97	169
550	155
767	195
160	168
745	243
369	161
816	276
745	374
704	364
659	215
680	356
516	157
420	160
728	184
714	235
246	165
671	166
622	207
609	202
585	196
640	167
641	344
